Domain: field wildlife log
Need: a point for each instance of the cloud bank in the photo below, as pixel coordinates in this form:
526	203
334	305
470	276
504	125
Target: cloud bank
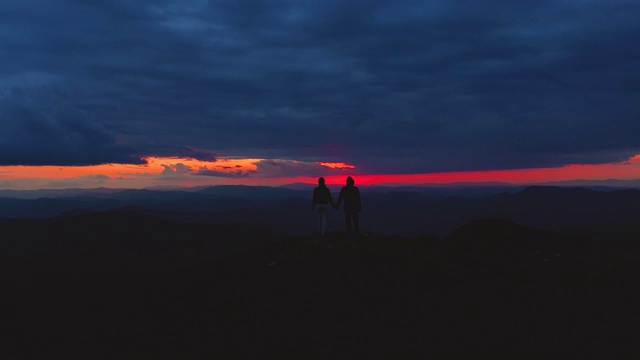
402	86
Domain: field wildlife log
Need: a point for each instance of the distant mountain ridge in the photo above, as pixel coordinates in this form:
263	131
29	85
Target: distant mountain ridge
401	211
244	191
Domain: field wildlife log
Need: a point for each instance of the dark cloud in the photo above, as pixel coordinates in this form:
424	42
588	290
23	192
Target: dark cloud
406	86
42	127
204	171
274	169
289	168
176	169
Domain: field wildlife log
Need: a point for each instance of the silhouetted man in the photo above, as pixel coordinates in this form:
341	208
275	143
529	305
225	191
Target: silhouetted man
352	206
320	204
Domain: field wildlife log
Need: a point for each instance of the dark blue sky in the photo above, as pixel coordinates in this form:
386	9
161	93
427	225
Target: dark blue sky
390	86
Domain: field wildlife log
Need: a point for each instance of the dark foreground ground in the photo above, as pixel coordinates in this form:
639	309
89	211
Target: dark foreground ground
492	289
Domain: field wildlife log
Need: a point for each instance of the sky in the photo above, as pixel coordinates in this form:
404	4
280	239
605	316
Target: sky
135	94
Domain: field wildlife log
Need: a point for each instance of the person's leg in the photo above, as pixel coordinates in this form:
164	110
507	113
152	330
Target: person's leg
320	215
322	218
347	220
356	223
324	222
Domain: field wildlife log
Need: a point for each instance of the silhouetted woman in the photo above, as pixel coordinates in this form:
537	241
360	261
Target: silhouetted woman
352	205
320	204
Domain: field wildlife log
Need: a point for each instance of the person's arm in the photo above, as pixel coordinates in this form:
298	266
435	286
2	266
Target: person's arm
339	200
358	203
331	199
313	200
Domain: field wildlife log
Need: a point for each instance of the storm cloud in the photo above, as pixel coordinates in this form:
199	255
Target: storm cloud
389	86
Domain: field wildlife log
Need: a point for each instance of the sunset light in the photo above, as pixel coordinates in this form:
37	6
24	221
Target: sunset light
337	165
173	171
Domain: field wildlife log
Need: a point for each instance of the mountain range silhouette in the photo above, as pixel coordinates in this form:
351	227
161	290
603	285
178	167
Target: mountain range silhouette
409	212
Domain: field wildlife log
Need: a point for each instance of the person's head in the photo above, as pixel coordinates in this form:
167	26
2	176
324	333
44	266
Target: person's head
321	181
350	181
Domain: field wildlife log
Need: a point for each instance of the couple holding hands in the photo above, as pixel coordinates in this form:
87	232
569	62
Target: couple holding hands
349	194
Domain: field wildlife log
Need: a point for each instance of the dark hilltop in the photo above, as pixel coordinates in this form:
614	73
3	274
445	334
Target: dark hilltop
136	283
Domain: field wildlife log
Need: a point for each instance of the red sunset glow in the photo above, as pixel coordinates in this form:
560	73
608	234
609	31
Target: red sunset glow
181	172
